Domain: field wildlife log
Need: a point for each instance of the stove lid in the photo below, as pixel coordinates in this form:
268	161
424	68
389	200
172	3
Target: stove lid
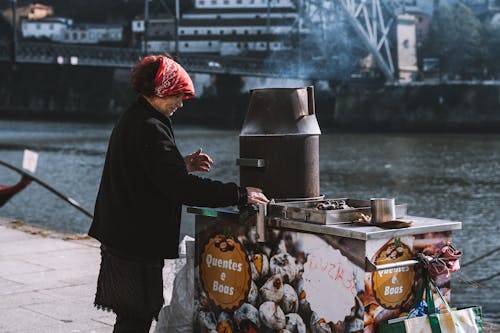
281	111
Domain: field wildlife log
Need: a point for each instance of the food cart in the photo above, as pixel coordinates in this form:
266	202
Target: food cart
292	266
322	277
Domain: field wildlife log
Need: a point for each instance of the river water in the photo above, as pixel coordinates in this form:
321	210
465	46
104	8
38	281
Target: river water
449	176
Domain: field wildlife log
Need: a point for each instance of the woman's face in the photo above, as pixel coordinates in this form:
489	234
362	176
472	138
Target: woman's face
168	104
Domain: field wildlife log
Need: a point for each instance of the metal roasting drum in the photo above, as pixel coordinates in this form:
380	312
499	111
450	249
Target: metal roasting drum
279	143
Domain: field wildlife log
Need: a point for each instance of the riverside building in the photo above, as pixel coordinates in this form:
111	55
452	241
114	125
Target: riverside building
64	30
233	27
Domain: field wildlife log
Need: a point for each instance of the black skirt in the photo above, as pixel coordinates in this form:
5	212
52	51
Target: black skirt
129	286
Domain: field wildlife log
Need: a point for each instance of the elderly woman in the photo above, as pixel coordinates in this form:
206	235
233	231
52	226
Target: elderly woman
144	183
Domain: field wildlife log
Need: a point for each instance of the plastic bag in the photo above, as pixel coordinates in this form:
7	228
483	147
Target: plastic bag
178	316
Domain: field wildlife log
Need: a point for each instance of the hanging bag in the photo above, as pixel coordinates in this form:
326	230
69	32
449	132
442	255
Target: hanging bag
464	320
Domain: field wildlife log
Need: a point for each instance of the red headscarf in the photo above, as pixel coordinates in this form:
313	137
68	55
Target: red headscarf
171	78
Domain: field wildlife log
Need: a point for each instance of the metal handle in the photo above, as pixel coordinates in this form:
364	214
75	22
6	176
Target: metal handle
251	162
310	99
260	224
371	267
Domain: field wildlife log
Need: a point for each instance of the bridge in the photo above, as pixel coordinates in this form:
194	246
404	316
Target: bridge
371	19
116	57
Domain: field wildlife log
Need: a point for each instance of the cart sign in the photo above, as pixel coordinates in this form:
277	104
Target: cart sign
392	287
328	275
225	272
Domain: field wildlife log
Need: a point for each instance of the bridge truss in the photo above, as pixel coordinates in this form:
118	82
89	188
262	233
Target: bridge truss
117	57
372	21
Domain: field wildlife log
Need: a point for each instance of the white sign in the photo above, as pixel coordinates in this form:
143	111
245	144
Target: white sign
30	160
329	281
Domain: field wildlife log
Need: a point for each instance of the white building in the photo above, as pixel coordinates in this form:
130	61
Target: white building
232	27
238	4
50	28
407	47
157	27
93	33
63	30
160	33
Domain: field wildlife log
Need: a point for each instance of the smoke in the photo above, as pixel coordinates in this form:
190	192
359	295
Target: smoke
324	44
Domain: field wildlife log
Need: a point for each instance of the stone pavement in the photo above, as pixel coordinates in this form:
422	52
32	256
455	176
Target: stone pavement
48	279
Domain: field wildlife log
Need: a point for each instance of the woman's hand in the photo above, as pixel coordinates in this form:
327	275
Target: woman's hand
255	196
198	161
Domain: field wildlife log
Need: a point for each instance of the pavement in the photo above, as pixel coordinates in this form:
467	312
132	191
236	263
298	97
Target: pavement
48	281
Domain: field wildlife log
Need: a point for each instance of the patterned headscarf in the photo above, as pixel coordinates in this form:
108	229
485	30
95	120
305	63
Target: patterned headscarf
171	78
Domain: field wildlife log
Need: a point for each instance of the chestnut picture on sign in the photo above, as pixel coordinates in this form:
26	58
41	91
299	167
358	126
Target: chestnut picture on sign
393	287
225	272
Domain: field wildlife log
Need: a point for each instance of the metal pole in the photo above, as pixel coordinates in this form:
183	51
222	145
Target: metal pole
299	37
177	21
268	24
13	50
146	23
69	200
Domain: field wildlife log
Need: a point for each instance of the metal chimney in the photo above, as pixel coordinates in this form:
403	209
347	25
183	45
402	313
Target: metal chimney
279	143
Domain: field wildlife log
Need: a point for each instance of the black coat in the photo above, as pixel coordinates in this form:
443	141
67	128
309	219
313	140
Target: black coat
144	184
